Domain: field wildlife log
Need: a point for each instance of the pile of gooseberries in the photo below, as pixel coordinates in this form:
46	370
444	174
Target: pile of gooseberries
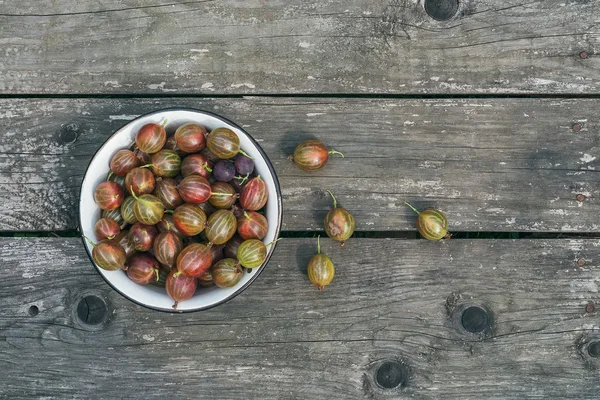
182	211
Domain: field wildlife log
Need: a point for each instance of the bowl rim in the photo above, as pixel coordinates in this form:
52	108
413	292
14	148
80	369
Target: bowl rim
277	229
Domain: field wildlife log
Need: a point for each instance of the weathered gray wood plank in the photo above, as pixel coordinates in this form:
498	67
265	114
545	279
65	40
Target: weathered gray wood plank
492	165
282	338
252	46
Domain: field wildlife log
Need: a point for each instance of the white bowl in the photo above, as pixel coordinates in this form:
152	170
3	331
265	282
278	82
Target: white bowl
89	212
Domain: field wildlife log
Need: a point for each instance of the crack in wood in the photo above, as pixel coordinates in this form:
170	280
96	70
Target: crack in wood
108	10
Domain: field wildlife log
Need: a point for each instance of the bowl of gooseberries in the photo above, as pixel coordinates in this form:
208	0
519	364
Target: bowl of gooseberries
180	210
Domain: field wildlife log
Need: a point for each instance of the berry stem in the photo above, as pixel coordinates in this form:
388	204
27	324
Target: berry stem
243	178
336	152
109	175
157	274
147	166
414	209
133	193
206	167
319	244
222	194
90	241
164	123
245	154
274	241
334	199
176	274
175	305
170	211
247	216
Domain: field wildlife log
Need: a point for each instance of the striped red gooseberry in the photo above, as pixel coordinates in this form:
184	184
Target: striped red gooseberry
123	161
254	194
223	143
166	247
252	225
142	236
191	137
320	268
151	138
106	228
180	287
223	195
221	226
108	254
206	279
339	223
432	224
166	191
198	164
148	209
109	195
189	219
194	260
142	268
140	181
227	273
166	163
312	155
253	252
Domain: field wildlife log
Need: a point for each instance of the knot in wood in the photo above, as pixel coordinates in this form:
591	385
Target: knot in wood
441	10
391	374
69	134
475	319
594	349
92	310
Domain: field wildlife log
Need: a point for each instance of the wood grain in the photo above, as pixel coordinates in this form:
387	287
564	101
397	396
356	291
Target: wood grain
252	46
490	164
282	338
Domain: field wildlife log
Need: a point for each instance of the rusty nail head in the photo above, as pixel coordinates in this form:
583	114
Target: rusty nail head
583	55
590	307
576	127
581	262
580	197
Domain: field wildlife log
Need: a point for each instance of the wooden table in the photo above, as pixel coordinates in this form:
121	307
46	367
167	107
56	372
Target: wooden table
489	112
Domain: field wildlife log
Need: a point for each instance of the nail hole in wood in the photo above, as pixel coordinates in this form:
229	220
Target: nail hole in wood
576	127
441	10
391	374
594	349
583	55
475	319
92	310
33	311
590	307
